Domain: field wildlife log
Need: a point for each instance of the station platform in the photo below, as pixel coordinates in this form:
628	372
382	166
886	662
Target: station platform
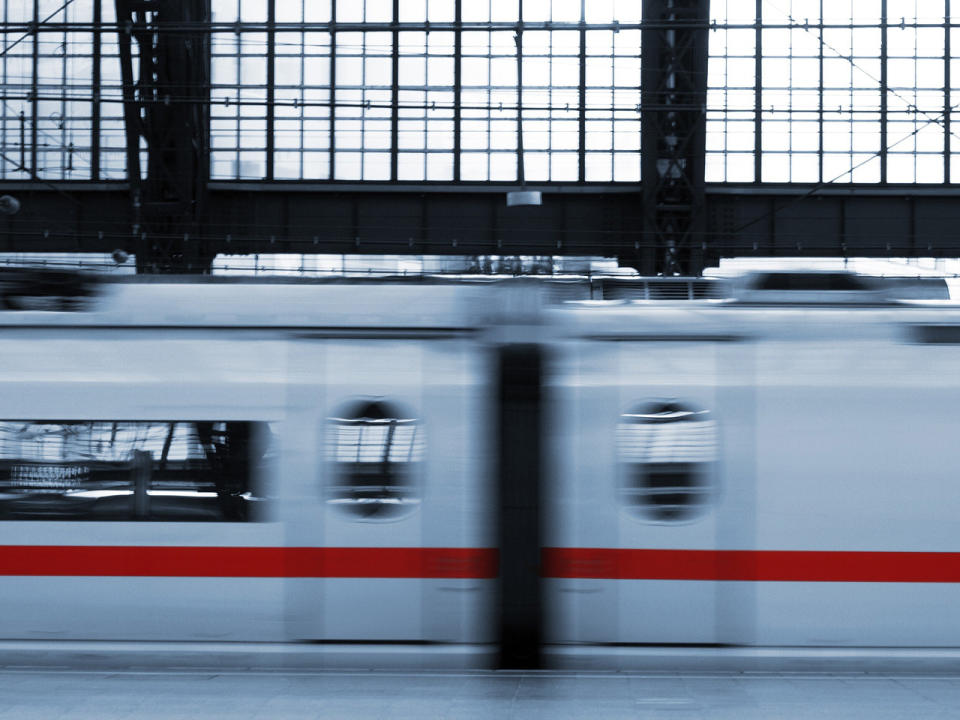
191	693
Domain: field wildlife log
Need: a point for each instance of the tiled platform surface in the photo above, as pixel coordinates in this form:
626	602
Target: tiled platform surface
26	693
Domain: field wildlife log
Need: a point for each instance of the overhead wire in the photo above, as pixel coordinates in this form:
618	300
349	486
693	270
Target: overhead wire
34	28
939	119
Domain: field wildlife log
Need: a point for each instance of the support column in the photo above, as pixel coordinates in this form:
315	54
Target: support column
673	132
166	113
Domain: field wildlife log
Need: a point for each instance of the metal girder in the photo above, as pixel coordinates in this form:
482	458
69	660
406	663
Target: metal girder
166	117
673	130
742	220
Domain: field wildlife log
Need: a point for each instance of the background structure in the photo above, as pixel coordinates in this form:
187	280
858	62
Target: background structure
665	133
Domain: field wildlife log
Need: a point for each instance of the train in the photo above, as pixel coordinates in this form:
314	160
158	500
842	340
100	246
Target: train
469	475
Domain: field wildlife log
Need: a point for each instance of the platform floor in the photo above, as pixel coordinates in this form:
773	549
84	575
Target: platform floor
26	693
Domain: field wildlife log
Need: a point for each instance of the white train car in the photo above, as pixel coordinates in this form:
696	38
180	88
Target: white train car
247	463
779	477
459	476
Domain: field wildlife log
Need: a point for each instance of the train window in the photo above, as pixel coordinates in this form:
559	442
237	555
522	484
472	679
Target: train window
667	450
180	471
374	449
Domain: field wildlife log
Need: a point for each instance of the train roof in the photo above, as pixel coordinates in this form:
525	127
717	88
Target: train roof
86	301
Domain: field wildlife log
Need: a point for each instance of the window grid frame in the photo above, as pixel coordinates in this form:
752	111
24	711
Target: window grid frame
902	112
902	115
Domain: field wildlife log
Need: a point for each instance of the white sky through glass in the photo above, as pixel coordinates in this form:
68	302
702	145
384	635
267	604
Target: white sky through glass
821	114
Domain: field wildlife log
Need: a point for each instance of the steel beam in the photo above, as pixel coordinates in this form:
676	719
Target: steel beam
947	101
742	220
271	86
166	111
673	93
34	90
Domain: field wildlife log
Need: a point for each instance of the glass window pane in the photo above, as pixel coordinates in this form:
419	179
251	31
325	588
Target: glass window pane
176	471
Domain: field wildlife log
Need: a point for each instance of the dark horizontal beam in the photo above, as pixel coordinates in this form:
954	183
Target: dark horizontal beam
553	188
836	225
746	221
505	25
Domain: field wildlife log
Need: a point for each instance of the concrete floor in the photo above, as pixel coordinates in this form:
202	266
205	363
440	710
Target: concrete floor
46	694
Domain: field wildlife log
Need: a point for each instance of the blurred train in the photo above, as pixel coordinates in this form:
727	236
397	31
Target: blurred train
470	476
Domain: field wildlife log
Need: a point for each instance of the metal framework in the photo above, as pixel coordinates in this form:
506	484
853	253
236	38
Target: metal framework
168	195
673	112
742	220
394	126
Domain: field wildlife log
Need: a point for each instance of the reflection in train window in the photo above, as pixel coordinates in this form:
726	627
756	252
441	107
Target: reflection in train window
132	470
667	451
375	450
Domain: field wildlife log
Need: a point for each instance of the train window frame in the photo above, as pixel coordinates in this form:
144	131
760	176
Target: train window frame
135	470
391	501
700	470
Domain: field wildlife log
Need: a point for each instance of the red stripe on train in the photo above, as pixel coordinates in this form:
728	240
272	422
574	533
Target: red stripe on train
479	563
752	565
298	562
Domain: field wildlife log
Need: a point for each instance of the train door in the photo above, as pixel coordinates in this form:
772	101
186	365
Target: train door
652	476
387	506
137	487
